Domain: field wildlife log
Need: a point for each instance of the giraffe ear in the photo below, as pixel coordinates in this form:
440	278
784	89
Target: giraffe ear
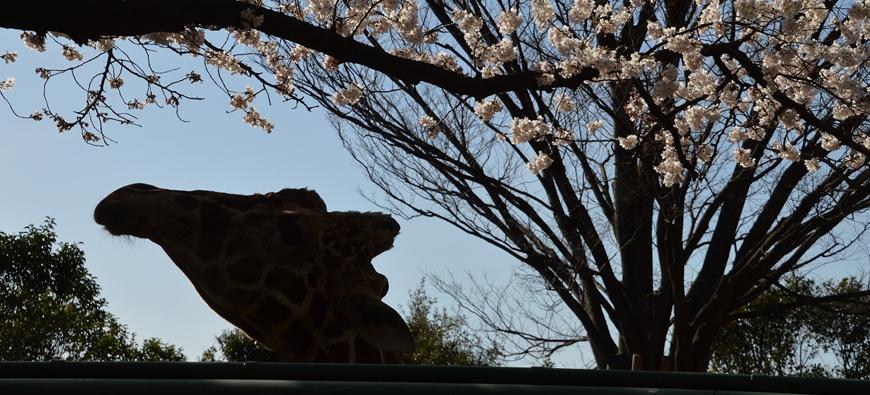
378	324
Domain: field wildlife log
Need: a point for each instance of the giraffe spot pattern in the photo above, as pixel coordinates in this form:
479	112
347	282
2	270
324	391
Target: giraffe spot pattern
235	245
295	291
299	337
256	217
272	310
239	202
322	356
333	328
288	283
214	220
338	352
332	262
212	278
365	352
317	308
251	331
186	202
247	270
241	297
275	278
291	231
348	250
314	275
303	258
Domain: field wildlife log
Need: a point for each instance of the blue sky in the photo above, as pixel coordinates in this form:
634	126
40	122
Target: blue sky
44	173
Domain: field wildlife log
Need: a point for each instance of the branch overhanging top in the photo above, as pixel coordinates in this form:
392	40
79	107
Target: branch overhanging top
85	20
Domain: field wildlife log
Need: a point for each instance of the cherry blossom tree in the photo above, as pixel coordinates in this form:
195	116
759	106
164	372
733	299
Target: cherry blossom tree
655	165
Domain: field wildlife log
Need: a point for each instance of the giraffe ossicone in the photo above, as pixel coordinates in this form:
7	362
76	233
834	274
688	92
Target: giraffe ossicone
279	266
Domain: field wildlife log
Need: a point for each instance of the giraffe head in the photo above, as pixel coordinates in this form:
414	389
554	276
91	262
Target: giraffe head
279	266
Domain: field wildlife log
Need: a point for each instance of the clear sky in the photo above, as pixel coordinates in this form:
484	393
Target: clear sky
43	173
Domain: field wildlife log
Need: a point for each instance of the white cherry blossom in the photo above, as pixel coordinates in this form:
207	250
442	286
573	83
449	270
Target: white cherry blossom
743	157
628	142
540	163
350	95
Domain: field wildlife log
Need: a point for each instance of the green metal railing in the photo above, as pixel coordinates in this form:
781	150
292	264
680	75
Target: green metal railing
277	378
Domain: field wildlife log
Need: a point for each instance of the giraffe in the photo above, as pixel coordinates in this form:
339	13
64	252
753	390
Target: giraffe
279	266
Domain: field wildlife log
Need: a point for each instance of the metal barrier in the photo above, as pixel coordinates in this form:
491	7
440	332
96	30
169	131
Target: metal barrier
164	378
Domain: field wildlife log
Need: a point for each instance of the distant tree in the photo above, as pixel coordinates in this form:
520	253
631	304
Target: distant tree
843	329
444	339
235	346
50	306
153	349
440	339
780	334
780	343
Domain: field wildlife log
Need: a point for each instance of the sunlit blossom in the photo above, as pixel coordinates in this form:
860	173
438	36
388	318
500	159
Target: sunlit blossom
7	84
116	82
9	56
71	53
524	129
540	163
628	142
829	142
350	95
427	122
509	21
743	157
812	164
33	41
485	109
593	126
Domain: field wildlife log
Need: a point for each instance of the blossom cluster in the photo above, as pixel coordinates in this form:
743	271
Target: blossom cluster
224	61
350	95
9	56
670	168
7	84
486	109
34	41
242	101
628	142
540	163
524	130
253	118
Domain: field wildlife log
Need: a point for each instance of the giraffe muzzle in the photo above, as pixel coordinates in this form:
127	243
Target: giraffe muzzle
115	215
387	224
112	216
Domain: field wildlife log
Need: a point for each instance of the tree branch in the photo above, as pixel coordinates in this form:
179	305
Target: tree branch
84	20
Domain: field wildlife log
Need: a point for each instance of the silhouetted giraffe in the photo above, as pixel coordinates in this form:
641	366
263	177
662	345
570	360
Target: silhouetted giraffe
279	266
